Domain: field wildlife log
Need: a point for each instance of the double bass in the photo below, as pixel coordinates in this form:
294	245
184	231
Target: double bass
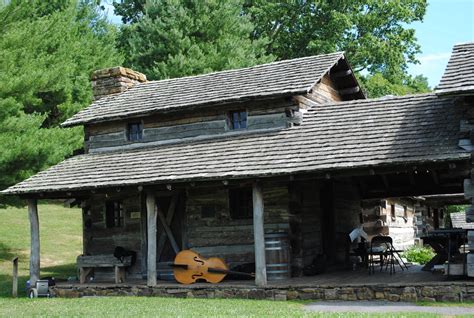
189	267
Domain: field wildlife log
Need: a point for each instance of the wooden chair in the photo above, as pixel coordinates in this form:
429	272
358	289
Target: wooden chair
380	252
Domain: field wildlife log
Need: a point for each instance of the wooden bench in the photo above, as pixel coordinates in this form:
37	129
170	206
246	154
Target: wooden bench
87	263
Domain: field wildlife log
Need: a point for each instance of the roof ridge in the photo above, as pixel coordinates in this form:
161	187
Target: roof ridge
340	53
463	43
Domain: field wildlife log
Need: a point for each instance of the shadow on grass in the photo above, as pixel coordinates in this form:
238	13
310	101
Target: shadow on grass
6	253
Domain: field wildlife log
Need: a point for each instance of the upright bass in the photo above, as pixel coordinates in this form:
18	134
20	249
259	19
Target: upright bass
189	267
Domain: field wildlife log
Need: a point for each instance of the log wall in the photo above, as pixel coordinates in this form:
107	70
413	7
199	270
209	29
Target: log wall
380	219
98	239
325	91
170	127
223	236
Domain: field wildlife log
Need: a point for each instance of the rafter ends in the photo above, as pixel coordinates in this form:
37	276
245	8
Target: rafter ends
350	90
340	74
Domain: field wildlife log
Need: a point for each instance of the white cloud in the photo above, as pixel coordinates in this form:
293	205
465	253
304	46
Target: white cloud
434	57
432	66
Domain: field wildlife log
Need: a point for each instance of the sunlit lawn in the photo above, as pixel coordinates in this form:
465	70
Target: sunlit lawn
61	242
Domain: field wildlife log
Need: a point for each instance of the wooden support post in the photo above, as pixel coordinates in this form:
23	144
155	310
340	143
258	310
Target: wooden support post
259	236
35	241
151	240
15	277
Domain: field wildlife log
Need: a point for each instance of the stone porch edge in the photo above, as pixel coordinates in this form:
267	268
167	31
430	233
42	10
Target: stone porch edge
445	291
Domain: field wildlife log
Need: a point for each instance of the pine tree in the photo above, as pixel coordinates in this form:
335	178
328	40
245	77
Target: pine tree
47	52
177	38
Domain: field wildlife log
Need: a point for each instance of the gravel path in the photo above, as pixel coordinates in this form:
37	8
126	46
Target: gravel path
384	307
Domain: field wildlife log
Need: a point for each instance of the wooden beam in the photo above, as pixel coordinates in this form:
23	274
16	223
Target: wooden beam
15	277
151	238
259	236
35	241
340	74
350	90
167	230
169	219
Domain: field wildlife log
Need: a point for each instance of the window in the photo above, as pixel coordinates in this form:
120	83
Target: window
113	214
135	131
238	119
240	203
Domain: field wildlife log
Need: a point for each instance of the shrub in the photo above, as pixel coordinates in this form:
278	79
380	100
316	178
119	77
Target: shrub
420	255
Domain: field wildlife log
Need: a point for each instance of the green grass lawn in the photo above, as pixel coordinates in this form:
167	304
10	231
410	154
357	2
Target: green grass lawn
61	242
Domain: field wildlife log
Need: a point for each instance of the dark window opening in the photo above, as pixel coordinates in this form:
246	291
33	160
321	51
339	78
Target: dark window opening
240	203
135	131
238	119
113	214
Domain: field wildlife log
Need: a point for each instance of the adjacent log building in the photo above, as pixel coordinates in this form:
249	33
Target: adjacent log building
216	161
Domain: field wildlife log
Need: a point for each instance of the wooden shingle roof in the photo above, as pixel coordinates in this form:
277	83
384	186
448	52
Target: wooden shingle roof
346	135
459	74
289	77
458	220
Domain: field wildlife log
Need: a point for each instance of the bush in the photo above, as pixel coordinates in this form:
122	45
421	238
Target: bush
420	255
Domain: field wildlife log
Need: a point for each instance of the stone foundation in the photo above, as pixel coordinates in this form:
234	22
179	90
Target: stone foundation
452	291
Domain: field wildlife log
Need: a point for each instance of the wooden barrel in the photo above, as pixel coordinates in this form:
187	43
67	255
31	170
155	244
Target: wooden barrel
277	256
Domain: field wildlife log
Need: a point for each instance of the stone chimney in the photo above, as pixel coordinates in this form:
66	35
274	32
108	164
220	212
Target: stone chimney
114	80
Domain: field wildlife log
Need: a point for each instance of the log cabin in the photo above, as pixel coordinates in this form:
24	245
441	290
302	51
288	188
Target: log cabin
222	163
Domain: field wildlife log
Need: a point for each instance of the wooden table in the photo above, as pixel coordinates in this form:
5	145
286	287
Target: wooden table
445	243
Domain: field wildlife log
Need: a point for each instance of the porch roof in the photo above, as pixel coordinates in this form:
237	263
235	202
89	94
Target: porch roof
365	133
459	74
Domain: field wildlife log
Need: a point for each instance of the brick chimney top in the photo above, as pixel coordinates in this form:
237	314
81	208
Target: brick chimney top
114	80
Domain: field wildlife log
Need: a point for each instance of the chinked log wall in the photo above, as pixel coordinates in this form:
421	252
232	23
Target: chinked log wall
222	236
98	239
192	123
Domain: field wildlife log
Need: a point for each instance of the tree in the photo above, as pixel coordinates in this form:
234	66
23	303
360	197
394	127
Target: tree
130	10
178	38
373	33
378	85
47	52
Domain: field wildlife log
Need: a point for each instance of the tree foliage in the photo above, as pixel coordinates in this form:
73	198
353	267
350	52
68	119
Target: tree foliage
373	33
47	51
178	38
378	85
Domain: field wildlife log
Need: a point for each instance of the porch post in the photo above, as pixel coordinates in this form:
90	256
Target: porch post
35	241
151	235
259	237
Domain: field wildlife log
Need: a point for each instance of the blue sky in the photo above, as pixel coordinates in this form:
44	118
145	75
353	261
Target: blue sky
446	23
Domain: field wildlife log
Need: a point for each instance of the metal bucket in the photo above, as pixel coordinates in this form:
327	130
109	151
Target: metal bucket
277	255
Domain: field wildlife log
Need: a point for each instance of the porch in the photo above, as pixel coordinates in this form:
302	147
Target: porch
409	285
